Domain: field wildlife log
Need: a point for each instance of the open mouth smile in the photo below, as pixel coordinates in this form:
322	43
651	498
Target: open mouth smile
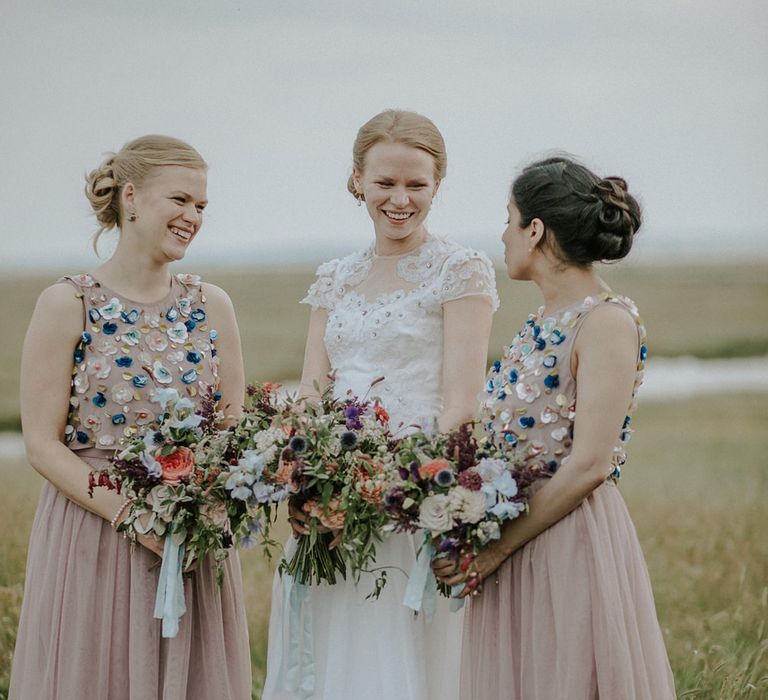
181	233
398	216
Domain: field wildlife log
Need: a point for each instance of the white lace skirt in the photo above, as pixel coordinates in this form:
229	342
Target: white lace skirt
336	645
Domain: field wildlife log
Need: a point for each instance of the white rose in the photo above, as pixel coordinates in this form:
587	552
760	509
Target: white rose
489	469
434	514
467	506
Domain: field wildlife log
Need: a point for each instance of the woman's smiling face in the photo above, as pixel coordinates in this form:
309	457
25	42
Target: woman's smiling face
398	183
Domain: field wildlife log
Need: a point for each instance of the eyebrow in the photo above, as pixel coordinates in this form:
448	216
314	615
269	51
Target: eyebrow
188	196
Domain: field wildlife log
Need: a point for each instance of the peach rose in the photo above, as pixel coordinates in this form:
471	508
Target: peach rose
429	469
176	465
333	520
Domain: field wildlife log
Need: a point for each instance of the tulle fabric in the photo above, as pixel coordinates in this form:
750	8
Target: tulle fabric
371	648
572	616
87	628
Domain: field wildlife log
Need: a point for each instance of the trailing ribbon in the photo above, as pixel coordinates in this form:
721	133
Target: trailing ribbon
421	591
169	603
297	669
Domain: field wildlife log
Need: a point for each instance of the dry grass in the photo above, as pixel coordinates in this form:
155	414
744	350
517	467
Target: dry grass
705	310
697	487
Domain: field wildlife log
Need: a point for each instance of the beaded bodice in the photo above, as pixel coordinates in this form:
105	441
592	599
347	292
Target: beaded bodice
529	402
127	350
385	318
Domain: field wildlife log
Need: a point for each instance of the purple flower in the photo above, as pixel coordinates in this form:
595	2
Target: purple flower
352	414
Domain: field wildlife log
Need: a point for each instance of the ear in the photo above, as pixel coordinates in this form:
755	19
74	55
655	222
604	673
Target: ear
536	232
437	187
128	195
356	175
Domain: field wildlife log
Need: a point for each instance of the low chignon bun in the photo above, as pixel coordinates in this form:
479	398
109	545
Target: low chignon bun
590	218
102	190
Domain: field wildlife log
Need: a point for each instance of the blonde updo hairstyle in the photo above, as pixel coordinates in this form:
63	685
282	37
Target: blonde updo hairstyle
133	163
398	126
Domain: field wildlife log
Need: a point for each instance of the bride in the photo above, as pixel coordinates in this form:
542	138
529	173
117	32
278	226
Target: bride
403	308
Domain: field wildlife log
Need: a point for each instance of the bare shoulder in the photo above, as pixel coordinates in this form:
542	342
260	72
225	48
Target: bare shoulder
215	293
60	298
608	330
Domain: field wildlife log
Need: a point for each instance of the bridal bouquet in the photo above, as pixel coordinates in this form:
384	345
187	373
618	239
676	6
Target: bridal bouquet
458	493
332	456
177	480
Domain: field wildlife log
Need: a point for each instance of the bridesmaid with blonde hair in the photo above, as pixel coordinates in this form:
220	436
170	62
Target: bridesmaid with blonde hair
566	610
97	348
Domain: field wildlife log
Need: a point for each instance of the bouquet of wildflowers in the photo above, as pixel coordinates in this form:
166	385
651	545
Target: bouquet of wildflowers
332	456
176	477
458	493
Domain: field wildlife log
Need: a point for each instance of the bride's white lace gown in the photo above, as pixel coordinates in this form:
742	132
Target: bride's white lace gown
385	318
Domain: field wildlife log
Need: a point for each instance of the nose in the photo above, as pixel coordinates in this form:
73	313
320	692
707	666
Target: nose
192	214
399	197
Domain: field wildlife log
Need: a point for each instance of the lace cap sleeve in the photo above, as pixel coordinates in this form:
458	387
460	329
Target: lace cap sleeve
323	291
468	273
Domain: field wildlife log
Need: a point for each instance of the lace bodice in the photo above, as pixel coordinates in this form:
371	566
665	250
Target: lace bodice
385	318
530	395
129	349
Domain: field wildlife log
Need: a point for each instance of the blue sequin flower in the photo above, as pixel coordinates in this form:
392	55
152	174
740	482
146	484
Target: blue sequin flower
140	381
194	357
526	421
118	419
109	328
198	315
189	376
99	400
124	361
552	380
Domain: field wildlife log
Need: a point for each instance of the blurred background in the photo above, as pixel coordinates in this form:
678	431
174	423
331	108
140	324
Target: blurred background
671	95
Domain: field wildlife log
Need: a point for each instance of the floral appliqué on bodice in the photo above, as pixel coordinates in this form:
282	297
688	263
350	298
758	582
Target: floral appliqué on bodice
396	331
529	402
127	350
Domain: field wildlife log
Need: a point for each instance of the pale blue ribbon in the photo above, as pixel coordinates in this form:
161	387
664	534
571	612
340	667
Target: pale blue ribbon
297	669
421	591
169	603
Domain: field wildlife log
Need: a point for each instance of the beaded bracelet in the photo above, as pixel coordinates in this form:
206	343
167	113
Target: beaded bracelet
120	510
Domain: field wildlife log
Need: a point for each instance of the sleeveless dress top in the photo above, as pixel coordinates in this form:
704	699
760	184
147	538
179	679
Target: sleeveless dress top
128	350
385	319
571	613
530	395
87	626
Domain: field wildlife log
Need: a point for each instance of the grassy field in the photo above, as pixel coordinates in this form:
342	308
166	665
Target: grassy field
697	487
702	310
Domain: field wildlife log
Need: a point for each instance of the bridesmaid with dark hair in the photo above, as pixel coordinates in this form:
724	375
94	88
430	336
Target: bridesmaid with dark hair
562	607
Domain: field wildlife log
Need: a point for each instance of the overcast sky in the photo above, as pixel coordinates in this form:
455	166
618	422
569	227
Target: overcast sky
670	94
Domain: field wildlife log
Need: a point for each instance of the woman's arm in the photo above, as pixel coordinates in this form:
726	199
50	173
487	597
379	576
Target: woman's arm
221	316
46	374
466	329
316	363
605	360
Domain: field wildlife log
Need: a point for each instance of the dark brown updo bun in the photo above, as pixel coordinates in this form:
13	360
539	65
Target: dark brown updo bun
586	218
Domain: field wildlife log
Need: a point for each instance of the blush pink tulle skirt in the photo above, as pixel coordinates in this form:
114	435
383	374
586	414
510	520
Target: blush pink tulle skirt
571	618
87	628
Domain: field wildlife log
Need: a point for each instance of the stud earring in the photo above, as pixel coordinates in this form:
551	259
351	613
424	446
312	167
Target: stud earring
132	216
